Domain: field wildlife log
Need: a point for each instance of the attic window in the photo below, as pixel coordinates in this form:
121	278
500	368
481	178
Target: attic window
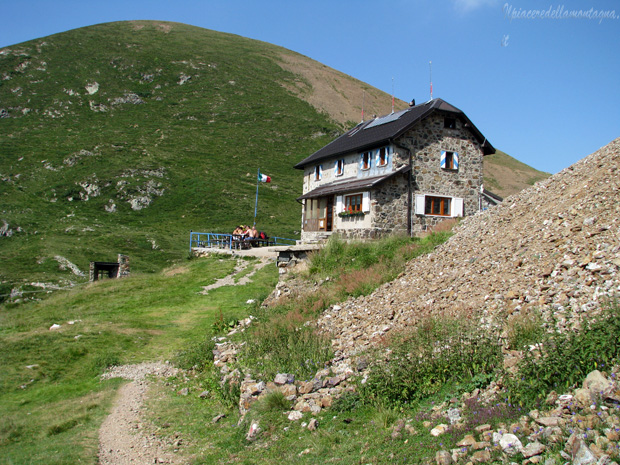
449	160
318	172
449	123
339	167
365	161
382	158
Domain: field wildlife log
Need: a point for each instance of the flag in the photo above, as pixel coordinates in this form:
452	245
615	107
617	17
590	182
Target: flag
263	177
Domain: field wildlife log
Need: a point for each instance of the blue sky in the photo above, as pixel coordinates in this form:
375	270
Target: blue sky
544	89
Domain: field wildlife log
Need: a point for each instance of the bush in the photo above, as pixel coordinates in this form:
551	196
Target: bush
424	360
524	329
286	344
198	356
565	359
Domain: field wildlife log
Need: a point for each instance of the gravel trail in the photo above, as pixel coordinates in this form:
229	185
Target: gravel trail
124	438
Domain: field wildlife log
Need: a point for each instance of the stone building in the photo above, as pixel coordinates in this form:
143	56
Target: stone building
400	173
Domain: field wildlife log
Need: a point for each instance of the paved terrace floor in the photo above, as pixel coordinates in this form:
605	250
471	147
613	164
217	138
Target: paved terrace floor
264	252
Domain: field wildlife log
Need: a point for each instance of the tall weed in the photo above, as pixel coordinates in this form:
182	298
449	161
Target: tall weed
524	329
425	359
286	344
563	360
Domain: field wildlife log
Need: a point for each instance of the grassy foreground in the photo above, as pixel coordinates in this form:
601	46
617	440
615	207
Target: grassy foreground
52	401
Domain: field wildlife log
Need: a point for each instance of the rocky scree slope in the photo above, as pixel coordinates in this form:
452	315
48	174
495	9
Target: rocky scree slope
554	247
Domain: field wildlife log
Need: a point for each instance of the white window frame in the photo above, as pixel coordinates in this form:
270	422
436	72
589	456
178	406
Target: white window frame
456	205
341	202
386	157
318	172
363	163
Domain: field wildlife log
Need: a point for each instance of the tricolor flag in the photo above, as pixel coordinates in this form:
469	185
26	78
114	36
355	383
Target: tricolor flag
263	177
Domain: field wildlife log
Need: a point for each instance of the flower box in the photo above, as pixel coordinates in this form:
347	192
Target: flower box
350	214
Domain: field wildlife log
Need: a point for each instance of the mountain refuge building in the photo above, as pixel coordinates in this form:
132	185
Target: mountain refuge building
400	173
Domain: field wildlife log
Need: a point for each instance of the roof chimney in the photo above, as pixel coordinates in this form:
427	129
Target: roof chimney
412	103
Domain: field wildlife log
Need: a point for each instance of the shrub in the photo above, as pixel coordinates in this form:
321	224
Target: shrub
198	356
286	344
430	356
524	329
565	359
273	401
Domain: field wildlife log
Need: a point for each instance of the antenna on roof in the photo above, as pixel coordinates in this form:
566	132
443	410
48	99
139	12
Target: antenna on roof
430	65
392	94
363	101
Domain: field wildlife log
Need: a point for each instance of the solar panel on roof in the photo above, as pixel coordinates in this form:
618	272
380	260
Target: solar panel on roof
386	119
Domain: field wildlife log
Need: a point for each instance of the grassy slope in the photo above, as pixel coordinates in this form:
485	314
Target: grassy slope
200	142
197	145
505	175
51	412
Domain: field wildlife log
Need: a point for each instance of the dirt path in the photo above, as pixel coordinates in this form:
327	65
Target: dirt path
230	279
124	437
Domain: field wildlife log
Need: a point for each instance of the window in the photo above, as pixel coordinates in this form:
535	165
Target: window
382	157
339	168
318	172
449	123
434	205
365	163
353	203
449	160
437	206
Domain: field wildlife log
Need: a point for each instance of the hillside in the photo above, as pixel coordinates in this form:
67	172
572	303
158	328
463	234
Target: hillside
121	137
505	175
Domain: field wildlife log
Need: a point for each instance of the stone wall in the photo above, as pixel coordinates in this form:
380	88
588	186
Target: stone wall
389	205
426	141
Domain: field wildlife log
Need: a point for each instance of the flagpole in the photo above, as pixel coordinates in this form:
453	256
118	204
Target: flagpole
256	203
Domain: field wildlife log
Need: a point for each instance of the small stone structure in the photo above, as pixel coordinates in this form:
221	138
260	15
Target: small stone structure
117	269
290	256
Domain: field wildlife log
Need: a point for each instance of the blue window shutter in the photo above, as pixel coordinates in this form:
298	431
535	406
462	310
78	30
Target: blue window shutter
361	161
455	157
336	168
320	172
443	159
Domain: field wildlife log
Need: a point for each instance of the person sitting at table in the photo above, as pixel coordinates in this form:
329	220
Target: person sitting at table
239	230
252	234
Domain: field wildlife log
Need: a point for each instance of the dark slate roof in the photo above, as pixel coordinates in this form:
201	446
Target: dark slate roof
379	131
494	198
351	184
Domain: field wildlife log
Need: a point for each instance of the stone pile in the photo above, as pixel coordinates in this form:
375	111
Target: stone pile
580	429
554	247
305	395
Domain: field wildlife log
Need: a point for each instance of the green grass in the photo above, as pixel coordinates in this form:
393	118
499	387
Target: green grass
197	145
54	408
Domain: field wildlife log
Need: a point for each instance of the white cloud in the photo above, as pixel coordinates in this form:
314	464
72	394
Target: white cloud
470	5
